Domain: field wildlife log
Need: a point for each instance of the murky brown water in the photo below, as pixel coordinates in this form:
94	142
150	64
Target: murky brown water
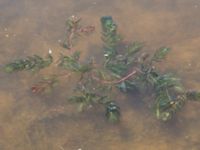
28	122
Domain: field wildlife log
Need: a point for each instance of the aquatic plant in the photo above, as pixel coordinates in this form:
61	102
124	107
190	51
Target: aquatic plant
126	68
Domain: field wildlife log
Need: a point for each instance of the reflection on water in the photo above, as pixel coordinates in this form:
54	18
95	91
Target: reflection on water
49	122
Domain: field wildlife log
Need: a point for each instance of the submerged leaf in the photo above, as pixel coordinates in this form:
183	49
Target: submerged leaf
109	37
134	47
167	104
72	63
166	81
193	95
86	99
45	85
112	112
160	54
127	86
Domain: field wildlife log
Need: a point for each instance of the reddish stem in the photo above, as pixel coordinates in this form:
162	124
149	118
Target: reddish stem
117	81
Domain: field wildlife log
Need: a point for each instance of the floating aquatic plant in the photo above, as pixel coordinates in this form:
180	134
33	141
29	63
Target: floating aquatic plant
126	68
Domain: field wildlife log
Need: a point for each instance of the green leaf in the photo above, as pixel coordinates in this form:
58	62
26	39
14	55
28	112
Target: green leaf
166	81
133	48
160	54
168	103
72	63
109	37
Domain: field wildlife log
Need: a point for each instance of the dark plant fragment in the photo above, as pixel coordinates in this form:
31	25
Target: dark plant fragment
45	85
112	112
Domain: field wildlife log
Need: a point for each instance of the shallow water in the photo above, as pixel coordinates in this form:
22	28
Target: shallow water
49	122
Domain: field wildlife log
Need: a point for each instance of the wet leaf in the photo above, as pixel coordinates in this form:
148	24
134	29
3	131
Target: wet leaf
160	54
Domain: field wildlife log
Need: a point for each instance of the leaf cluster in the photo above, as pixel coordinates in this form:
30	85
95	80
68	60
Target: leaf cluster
87	99
109	36
72	63
169	96
74	29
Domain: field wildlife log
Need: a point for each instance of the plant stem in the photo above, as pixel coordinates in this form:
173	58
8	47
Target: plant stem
116	81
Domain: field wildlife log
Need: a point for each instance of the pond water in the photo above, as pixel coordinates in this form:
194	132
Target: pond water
50	122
